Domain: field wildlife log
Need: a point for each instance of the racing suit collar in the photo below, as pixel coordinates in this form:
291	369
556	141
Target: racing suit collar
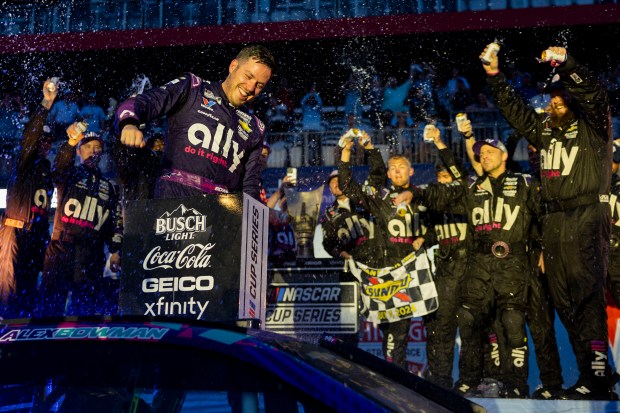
400	189
217	86
346	204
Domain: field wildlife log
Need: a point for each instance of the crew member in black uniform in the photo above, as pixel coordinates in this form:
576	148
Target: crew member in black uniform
540	315
499	207
349	230
24	233
87	217
574	140
449	231
402	234
614	252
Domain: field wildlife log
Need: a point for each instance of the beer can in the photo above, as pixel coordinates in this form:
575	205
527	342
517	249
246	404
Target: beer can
460	120
401	209
491	51
427	132
548	55
51	86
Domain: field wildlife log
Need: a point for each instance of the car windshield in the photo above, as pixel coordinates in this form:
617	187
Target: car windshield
167	367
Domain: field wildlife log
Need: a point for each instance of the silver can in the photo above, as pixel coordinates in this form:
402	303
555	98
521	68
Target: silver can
460	120
548	55
491	51
427	132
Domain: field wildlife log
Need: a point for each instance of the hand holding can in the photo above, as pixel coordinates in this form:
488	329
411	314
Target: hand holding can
75	132
489	53
554	55
349	136
463	125
52	84
430	133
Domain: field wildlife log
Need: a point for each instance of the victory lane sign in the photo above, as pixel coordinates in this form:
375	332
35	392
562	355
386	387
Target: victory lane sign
201	257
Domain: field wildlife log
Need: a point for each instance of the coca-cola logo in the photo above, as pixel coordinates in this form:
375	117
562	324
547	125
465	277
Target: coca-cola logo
192	256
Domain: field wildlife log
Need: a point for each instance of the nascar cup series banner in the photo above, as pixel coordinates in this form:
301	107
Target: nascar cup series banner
202	257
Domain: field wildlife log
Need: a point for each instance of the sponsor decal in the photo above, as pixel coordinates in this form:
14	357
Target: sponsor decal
557	161
182	223
386	290
86	214
81	333
245	126
196	81
308	307
576	78
170	308
260	124
245	117
207	104
209	115
503	217
127	113
207	144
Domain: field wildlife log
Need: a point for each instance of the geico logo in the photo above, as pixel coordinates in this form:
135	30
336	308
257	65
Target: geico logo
87	211
170	284
200	135
181	224
40	198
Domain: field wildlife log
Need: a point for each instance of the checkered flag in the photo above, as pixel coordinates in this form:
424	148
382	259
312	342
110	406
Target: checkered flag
395	293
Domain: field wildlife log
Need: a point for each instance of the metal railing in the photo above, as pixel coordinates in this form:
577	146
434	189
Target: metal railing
300	149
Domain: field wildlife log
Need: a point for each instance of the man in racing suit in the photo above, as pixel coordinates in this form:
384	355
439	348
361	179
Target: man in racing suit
574	140
499	207
213	142
87	217
24	233
401	233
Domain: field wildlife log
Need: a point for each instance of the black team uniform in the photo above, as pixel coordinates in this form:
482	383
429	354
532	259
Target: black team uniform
499	212
614	252
540	311
25	220
575	183
348	228
87	217
449	231
398	234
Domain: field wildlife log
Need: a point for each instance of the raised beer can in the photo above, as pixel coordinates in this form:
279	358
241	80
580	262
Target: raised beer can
491	51
460	120
548	55
427	133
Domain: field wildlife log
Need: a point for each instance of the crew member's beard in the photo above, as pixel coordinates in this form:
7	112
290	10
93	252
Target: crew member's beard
558	120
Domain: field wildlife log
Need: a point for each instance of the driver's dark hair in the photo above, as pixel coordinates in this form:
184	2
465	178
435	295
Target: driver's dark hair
260	53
